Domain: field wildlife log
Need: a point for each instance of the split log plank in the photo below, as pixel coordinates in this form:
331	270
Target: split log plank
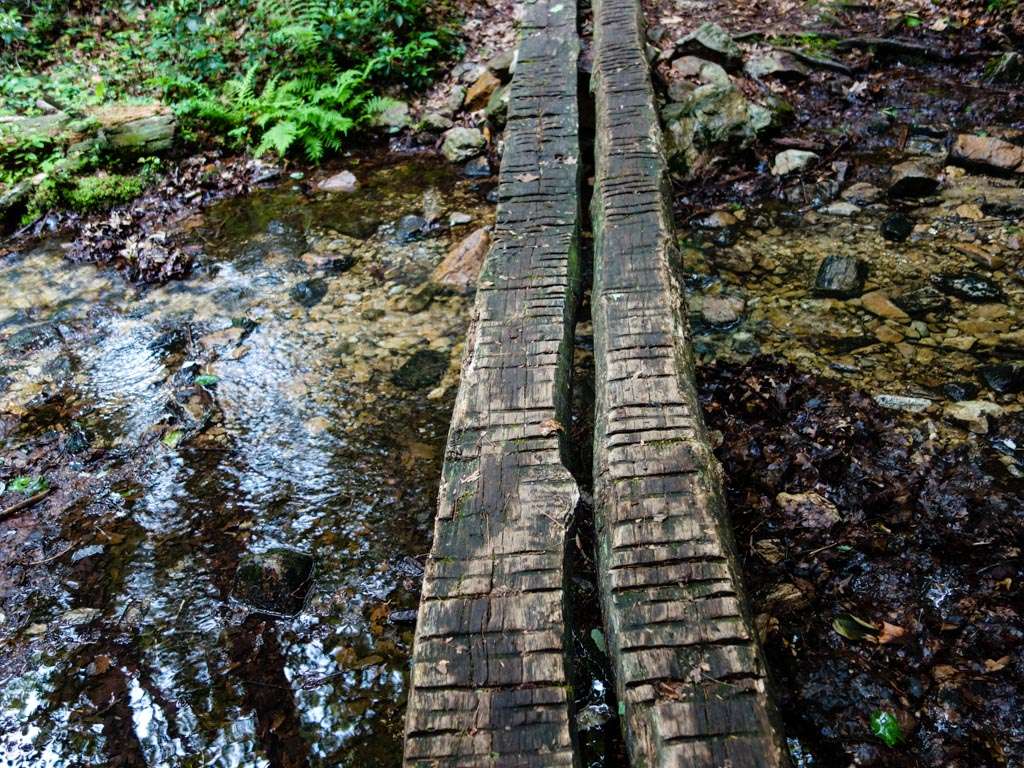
688	670
489	679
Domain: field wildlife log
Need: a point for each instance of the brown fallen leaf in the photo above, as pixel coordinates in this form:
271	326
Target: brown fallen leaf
550	427
890	633
997	665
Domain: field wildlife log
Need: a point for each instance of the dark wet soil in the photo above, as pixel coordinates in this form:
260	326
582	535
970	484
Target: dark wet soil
918	540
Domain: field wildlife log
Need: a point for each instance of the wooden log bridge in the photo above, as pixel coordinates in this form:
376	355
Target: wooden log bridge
491	666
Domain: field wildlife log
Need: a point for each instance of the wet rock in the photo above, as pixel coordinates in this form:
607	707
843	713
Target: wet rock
461	266
1007	68
480	91
717	220
878	303
971	287
710	41
503	64
309	293
402	617
989	152
460	144
458	219
76	440
710	116
914	178
1004	378
973	414
452	102
433	205
809	510
34	337
435	122
774	63
424	370
497	106
418	300
86	552
274	582
78	617
922	301
477	168
345	181
706	71
840	277
896	227
410	228
394	117
959	390
792	161
862	194
903	403
843	209
722	311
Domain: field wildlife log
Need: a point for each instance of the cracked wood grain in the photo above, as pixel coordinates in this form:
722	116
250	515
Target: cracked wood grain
489	679
688	670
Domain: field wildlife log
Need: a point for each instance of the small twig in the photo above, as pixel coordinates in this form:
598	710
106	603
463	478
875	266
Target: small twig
813	552
50	559
24	504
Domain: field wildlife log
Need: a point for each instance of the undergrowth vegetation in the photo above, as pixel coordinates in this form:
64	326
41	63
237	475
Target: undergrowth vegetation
288	76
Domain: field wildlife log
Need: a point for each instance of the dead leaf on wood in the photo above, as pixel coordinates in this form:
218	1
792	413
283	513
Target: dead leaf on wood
550	427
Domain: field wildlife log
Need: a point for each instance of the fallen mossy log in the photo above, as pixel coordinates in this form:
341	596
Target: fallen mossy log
688	671
489	678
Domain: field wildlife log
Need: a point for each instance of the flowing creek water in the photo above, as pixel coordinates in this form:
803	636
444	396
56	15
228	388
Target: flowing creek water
127	639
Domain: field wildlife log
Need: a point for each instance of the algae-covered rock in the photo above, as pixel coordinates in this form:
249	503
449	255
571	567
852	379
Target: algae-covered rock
713	115
461	143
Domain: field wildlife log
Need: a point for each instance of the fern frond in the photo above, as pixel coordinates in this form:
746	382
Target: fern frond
278	138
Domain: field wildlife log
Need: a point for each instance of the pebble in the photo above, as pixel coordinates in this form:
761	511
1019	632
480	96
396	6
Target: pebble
903	403
973	414
722	310
345	181
878	303
840	209
896	227
840	277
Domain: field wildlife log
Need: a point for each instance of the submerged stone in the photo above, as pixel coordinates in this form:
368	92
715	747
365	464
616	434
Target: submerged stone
275	582
922	301
309	293
477	168
424	370
411	228
840	277
896	227
970	287
1004	378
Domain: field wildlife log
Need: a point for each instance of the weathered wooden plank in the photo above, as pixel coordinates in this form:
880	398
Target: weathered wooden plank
687	667
489	679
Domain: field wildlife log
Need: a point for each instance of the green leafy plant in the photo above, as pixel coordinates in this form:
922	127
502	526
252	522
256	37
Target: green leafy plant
886	727
28	485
